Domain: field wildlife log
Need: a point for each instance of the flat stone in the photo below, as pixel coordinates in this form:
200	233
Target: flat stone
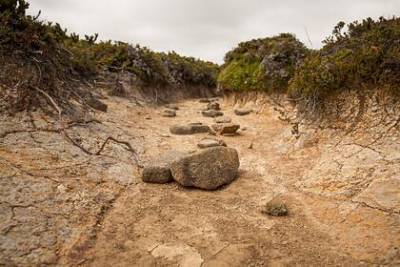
207	169
212	113
97	104
210	142
226	128
172	106
169	113
223	120
213	106
191	128
204	100
158	170
243	111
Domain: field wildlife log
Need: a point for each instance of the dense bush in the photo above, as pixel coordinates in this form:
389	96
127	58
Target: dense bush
40	58
262	64
367	55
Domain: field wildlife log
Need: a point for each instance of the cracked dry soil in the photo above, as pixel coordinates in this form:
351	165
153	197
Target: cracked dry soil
61	206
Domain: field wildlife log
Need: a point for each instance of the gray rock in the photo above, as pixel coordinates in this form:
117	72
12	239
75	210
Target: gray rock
212	113
96	104
169	113
213	106
158	170
204	100
243	111
172	106
207	169
226	128
276	208
223	120
210	142
191	128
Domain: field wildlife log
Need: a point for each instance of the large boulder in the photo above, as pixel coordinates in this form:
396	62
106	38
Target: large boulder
158	170
170	113
226	128
243	111
210	142
207	169
191	128
212	113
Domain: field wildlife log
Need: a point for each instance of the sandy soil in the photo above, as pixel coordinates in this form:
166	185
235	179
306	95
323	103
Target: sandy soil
60	206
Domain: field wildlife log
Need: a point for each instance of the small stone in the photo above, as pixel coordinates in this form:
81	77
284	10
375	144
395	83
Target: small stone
191	128
204	100
276	208
223	120
212	113
96	104
226	128
169	113
210	142
243	111
213	106
172	106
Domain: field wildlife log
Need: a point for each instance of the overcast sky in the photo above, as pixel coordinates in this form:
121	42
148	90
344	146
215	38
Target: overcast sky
207	29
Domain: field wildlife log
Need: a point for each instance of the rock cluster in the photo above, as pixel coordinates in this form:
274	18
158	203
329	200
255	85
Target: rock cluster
206	169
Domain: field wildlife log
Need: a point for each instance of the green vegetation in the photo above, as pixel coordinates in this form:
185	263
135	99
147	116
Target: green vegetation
43	59
366	56
262	64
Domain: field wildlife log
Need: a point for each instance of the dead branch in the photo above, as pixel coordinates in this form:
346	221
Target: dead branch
130	148
49	98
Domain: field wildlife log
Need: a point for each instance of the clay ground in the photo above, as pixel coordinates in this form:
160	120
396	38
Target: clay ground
61	206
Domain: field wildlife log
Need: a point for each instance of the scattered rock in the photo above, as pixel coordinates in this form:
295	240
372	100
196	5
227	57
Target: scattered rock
207	169
226	128
172	106
243	111
210	142
169	113
212	113
213	106
275	207
223	120
148	118
96	104
158	170
192	128
204	100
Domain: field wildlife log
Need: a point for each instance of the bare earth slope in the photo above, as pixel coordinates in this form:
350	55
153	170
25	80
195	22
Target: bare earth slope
61	206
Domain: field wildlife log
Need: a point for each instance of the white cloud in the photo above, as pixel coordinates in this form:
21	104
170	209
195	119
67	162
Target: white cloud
207	28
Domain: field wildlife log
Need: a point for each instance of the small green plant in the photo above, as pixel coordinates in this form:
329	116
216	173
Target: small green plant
275	208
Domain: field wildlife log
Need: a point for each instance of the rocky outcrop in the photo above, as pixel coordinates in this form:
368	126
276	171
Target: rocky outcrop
208	169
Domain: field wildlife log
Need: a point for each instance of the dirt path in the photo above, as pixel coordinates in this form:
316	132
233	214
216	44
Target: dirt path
167	225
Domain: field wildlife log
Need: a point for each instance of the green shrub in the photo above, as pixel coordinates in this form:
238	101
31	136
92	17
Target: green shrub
367	55
262	64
